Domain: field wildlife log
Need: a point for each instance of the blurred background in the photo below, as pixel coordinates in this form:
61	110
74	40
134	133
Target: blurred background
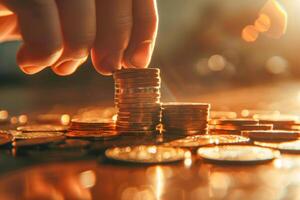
200	51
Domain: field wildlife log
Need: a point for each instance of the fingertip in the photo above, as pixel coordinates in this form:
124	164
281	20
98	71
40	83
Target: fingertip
67	67
30	70
105	65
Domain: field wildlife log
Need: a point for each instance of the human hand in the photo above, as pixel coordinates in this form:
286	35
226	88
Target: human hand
62	33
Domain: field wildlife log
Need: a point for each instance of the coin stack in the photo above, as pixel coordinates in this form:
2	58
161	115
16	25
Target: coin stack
137	97
185	118
86	124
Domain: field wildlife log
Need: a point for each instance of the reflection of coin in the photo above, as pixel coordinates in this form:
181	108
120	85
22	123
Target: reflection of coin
42	128
202	140
237	153
271	135
146	154
30	135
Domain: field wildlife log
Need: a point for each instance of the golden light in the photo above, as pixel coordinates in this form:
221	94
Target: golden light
23	119
250	34
262	23
277	16
216	63
87	178
65	119
276	65
3	114
159	182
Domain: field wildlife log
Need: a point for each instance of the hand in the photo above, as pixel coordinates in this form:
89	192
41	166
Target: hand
62	33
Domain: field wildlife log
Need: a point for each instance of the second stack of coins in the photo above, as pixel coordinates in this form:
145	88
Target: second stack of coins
185	118
137	97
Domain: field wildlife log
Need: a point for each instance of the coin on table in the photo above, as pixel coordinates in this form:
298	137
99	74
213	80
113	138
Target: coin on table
37	141
93	134
202	140
271	135
146	154
289	147
18	135
72	144
237	154
42	128
237	121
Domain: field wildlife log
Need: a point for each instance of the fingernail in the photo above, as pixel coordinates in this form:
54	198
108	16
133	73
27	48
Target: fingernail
142	54
31	69
109	64
68	67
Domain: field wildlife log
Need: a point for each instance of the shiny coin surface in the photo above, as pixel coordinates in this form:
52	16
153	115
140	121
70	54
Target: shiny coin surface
271	135
42	128
92	135
146	154
237	154
237	121
289	147
37	141
202	140
18	135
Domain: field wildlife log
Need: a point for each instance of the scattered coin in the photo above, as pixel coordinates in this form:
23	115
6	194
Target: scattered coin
289	147
237	154
5	138
92	134
202	140
237	121
18	135
42	128
146	154
271	135
37	141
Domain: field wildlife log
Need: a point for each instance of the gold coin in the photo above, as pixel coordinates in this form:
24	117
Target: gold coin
237	121
42	128
203	140
288	147
18	135
37	141
148	154
271	135
93	134
178	105
5	138
237	154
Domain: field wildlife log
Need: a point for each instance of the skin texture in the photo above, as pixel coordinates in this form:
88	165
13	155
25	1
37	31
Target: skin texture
62	33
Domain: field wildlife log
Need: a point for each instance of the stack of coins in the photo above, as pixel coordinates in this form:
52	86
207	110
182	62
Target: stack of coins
137	98
86	124
235	126
185	118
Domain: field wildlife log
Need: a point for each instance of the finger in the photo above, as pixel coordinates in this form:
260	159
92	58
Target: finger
41	33
114	24
145	22
4	11
78	21
7	26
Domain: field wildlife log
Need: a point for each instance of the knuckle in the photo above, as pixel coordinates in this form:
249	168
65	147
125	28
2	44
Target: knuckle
123	22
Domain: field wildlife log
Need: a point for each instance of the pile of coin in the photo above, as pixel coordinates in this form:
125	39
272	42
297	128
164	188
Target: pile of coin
185	118
137	98
235	126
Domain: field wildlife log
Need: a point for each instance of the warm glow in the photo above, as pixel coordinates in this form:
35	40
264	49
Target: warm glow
263	23
216	63
23	119
249	33
159	182
276	65
87	178
3	114
65	119
277	16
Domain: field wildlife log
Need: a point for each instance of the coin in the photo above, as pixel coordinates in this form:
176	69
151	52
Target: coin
288	147
18	135
42	128
271	135
148	154
237	121
93	134
37	141
72	144
178	105
237	154
203	140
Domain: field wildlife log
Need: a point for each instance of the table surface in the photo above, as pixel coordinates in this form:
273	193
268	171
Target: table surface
87	174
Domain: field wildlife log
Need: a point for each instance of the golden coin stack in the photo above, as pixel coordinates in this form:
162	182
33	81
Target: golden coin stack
137	98
185	118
